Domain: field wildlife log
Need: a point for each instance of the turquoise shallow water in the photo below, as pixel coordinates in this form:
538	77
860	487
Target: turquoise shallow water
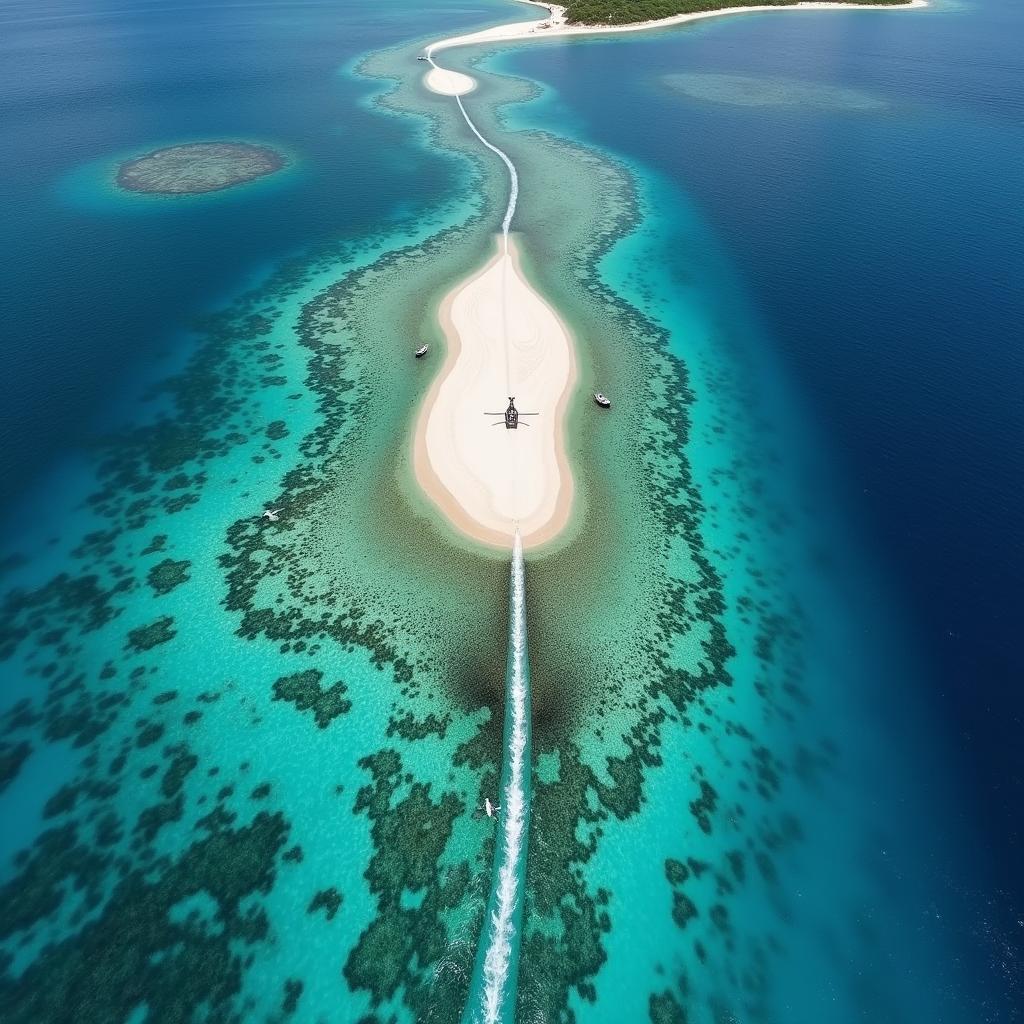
244	760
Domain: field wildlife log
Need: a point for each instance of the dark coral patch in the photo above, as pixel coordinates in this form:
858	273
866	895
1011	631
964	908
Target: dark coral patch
12	757
183	762
158	543
149	733
304	691
704	806
664	1008
410	728
292	993
145	638
327	900
683	909
168	574
676	871
62	802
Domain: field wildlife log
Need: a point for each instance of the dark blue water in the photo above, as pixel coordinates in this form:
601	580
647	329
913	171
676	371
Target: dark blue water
88	295
883	251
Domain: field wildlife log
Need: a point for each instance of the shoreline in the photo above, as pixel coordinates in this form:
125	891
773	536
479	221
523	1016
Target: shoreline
436	443
555	26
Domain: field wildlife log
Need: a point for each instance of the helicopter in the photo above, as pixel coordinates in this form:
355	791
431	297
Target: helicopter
510	416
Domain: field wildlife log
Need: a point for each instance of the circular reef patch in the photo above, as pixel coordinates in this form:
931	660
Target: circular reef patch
198	167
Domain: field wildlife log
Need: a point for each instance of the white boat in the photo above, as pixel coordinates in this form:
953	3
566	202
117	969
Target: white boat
490	808
421	58
602	401
421	351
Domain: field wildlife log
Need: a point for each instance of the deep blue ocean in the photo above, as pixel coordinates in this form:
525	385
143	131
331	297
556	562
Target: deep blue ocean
871	213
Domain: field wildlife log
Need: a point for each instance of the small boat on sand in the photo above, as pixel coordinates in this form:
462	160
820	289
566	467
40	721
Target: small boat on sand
605	403
421	351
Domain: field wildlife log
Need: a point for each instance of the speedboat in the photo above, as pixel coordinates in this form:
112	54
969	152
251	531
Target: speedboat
421	351
605	403
489	807
421	58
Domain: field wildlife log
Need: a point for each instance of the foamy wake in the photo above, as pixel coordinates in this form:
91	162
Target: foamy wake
513	811
513	195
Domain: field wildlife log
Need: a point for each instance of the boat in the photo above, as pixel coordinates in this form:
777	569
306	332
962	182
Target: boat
605	403
421	58
491	809
421	351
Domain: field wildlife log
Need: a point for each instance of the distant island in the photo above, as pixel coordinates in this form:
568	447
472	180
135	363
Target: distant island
626	12
198	167
604	17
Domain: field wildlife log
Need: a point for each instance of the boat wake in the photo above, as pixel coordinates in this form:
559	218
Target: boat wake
492	992
513	195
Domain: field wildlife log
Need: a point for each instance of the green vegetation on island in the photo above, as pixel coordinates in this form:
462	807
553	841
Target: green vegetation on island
623	12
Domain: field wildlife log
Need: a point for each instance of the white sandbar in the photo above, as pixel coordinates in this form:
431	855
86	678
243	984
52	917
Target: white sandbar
503	339
449	83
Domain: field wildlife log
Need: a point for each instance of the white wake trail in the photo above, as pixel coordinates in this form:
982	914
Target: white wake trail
498	957
513	195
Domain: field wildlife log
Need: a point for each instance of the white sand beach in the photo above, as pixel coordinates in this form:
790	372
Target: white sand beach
503	339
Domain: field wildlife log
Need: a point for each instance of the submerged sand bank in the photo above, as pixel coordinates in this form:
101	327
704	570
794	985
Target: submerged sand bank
503	339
